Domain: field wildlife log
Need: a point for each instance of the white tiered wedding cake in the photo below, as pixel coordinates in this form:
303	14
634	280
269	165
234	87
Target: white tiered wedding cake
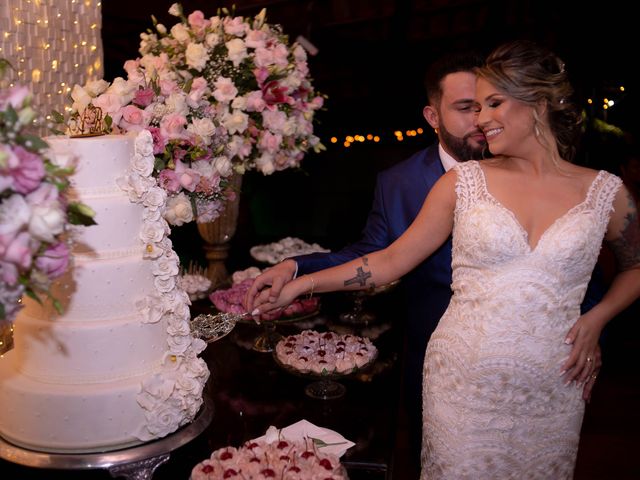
119	367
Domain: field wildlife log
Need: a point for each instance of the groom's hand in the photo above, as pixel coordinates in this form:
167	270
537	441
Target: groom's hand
275	277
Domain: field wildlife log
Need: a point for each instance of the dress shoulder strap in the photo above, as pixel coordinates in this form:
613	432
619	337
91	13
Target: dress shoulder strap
469	184
602	193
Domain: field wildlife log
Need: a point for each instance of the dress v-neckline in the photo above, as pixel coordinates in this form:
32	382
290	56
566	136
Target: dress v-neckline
524	232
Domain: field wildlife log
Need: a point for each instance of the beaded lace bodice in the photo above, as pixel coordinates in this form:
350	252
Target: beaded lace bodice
494	401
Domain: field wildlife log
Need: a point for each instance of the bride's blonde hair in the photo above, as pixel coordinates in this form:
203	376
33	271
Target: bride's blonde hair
531	74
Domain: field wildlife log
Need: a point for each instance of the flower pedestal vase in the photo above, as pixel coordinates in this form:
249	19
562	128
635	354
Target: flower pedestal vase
218	234
6	336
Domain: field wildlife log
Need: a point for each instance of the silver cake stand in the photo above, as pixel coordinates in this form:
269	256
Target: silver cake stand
135	463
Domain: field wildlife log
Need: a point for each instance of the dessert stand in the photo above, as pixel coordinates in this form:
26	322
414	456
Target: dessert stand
135	463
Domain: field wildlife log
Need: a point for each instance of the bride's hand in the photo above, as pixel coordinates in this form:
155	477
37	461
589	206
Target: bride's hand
585	358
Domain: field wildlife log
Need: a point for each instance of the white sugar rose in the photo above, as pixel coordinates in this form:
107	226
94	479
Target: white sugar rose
197	56
166	420
180	328
151	309
178	210
142	164
179	344
154	200
46	222
164	283
165	266
152	232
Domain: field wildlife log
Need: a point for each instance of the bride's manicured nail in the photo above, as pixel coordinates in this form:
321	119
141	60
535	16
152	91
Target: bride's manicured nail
255	312
567	341
562	372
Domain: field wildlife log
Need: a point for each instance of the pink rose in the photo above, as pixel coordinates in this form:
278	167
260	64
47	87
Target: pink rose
18	250
159	141
198	22
167	87
144	97
169	181
172	126
29	172
270	142
54	261
132	118
188	177
15	97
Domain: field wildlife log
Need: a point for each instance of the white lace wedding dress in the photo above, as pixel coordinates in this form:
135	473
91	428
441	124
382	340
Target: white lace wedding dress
495	406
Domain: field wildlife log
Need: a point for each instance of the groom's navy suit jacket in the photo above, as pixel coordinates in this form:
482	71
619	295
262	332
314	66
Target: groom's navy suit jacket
399	195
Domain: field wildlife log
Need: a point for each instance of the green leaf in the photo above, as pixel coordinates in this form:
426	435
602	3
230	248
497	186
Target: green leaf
80	214
57	117
57	305
37	143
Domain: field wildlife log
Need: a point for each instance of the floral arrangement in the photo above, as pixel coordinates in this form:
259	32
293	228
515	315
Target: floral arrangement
220	95
35	210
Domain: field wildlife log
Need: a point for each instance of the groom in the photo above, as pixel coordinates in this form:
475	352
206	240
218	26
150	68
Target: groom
400	192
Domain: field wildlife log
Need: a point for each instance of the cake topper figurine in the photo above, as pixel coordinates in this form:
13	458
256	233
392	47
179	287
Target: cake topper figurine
89	123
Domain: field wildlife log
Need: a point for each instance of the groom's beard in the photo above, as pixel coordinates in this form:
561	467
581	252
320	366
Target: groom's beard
461	148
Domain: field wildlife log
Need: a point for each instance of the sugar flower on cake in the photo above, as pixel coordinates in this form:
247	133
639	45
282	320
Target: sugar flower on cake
219	95
35	208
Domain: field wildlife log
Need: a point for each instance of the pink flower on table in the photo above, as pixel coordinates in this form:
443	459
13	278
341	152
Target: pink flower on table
167	87
255	102
134	72
225	90
235	26
54	261
15	97
270	142
273	93
188	177
159	140
169	181
144	97
110	104
172	126
133	118
256	39
29	172
198	88
17	250
198	22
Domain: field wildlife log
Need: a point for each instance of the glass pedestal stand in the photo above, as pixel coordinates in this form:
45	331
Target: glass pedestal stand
135	463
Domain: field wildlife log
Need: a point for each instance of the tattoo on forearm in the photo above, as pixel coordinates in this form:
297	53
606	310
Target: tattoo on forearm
361	275
626	247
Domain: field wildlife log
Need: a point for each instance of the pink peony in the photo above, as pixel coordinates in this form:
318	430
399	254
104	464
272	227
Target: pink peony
29	172
54	261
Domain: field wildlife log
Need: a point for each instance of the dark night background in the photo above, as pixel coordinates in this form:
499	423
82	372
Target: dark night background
372	55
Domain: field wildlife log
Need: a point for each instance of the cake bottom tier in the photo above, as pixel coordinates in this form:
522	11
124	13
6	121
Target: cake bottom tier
79	418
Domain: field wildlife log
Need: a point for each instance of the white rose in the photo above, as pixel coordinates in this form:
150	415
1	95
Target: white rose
197	56
144	143
237	50
46	222
161	29
223	165
14	214
152	232
178	344
180	33
212	39
239	103
165	420
235	122
265	164
96	87
202	127
121	88
165	283
142	165
81	98
178	211
154	200
165	265
177	103
225	90
289	127
175	10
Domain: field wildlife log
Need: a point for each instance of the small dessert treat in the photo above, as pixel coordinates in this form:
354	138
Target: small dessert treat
230	301
325	353
271	458
273	253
